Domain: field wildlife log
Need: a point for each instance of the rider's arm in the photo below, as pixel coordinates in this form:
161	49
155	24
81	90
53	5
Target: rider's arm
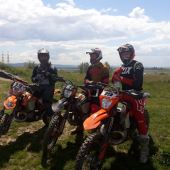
87	78
138	76
52	74
127	81
54	71
34	74
117	77
105	77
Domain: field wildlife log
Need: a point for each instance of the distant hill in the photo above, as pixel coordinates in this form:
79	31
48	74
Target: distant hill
16	64
75	67
59	66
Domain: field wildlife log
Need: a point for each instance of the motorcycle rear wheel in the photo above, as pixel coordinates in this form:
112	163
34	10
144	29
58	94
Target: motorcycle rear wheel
87	157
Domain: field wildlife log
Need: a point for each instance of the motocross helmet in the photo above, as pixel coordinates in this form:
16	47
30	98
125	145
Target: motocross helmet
95	55
126	53
43	56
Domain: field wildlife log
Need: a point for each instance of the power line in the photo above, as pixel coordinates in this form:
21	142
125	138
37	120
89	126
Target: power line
2	57
8	57
5	57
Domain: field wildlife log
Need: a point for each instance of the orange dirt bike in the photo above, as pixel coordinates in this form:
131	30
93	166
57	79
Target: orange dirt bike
21	105
68	109
111	125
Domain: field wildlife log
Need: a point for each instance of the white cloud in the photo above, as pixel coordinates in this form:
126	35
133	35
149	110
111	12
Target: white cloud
68	31
107	10
70	2
138	13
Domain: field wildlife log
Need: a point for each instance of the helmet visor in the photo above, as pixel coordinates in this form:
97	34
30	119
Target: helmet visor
123	49
43	58
126	57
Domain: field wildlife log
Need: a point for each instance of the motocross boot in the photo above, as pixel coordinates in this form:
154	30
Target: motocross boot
144	148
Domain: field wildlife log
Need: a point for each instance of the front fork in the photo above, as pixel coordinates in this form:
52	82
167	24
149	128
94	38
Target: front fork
61	124
63	117
5	122
105	132
2	113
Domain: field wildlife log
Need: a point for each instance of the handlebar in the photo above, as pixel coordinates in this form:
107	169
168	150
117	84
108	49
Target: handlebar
97	85
136	94
20	80
60	79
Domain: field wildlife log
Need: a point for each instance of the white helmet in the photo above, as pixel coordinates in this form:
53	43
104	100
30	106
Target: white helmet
98	53
43	53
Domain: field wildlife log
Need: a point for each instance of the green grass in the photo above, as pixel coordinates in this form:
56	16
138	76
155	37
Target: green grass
24	151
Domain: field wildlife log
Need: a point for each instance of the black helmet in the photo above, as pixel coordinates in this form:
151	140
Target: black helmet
126	48
43	55
98	53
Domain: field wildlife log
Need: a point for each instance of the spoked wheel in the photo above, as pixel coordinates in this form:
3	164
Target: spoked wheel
51	136
1	113
88	155
46	119
5	122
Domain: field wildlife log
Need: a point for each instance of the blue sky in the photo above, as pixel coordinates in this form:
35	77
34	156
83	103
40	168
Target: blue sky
69	28
156	9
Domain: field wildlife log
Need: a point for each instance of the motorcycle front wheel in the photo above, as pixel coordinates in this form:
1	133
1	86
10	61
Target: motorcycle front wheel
46	119
5	122
51	136
88	155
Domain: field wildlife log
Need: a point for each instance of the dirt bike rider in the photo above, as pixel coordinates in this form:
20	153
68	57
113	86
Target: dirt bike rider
44	75
96	72
130	74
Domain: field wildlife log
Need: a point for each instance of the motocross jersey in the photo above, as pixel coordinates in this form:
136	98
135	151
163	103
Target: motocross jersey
43	75
132	76
98	73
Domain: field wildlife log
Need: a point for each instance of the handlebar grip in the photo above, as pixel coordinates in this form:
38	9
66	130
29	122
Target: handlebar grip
95	85
61	79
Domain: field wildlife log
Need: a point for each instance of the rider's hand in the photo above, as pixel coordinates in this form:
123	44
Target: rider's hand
116	77
35	79
47	74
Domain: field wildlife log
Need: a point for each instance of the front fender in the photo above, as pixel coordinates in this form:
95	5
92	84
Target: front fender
56	107
95	119
10	102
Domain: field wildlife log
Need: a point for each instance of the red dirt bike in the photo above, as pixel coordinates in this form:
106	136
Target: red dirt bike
22	106
111	125
68	109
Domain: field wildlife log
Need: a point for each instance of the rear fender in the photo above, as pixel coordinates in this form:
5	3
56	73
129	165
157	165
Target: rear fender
95	119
